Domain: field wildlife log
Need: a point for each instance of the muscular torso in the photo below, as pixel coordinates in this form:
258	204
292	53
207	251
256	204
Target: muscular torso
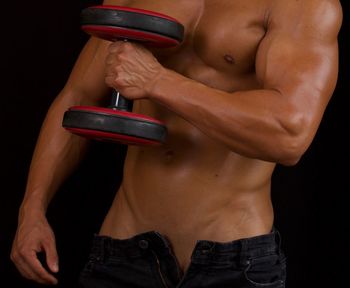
193	187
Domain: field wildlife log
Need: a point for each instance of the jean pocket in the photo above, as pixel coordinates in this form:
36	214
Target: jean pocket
266	271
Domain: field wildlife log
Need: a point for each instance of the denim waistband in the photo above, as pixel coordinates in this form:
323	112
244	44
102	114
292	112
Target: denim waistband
204	250
131	247
239	250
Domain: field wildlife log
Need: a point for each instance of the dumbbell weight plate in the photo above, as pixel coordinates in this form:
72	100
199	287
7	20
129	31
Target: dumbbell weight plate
114	125
117	23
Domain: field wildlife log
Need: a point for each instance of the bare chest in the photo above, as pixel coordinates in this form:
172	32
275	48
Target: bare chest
228	34
221	36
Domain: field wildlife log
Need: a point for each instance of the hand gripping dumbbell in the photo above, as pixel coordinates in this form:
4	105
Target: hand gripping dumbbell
117	123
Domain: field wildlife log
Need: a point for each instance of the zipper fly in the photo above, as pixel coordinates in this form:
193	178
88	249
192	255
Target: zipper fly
160	271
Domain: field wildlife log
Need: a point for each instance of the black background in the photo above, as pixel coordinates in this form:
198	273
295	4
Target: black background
40	42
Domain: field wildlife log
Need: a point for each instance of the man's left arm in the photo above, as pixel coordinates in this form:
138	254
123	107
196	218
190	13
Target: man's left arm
296	64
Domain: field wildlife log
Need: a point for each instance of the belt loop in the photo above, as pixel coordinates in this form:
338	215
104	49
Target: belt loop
105	248
278	239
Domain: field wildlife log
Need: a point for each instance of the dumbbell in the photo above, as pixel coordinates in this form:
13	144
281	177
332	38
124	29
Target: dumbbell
116	122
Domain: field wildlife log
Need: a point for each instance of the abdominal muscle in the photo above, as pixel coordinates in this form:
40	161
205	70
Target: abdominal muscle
190	189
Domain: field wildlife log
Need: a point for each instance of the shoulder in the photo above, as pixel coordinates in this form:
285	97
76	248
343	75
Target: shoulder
314	8
318	17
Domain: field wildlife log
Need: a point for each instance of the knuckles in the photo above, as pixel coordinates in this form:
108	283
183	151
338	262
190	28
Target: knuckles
120	46
113	82
114	61
14	256
23	253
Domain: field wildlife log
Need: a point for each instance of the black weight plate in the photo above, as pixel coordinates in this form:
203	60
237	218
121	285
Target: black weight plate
131	19
114	125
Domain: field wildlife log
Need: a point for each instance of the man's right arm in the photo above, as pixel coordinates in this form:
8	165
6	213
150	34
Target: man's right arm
57	154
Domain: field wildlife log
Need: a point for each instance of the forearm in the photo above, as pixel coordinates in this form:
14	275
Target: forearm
57	154
252	123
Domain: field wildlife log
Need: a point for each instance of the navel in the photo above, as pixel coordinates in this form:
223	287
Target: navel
169	155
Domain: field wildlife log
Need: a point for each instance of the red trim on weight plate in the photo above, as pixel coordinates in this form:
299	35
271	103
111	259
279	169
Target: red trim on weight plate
109	111
115	137
136	10
113	33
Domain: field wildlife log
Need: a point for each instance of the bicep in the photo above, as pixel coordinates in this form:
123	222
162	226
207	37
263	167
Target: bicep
294	65
300	61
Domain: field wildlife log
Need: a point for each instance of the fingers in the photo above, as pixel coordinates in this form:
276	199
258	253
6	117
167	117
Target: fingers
43	275
117	80
22	267
25	256
118	46
115	47
130	68
51	255
118	49
34	238
30	267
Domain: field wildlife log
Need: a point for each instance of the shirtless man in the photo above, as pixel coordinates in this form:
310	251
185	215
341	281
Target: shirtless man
246	90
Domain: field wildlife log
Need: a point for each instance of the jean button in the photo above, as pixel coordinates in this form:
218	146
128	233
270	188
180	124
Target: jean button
206	248
205	251
143	244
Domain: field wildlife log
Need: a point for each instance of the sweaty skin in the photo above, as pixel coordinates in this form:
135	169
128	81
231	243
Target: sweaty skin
245	90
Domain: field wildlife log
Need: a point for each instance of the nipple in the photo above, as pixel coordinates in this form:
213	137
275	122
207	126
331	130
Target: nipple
229	59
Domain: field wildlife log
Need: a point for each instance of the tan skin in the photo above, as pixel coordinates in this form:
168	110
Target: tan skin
246	89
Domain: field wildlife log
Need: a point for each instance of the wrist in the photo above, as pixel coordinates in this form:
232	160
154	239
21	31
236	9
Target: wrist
33	204
161	79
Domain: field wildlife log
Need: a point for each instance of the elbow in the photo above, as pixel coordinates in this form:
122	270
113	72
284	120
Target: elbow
291	151
289	157
293	142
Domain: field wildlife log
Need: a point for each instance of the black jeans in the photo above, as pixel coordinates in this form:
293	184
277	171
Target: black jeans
146	260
